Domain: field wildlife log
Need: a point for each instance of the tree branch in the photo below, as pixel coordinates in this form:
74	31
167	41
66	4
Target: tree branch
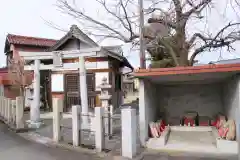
195	9
126	17
103	3
171	51
70	10
178	9
216	42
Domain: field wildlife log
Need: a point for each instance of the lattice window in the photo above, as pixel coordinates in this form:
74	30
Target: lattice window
91	82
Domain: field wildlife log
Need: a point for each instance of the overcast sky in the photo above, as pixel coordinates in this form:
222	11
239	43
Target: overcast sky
25	17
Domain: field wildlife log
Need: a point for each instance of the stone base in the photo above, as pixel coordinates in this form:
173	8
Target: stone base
227	146
34	125
160	142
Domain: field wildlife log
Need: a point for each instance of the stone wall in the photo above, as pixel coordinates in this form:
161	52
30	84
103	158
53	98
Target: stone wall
174	100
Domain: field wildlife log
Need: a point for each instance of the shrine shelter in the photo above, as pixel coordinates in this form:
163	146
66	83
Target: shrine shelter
169	94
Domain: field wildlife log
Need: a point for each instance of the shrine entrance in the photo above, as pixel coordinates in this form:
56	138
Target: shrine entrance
72	90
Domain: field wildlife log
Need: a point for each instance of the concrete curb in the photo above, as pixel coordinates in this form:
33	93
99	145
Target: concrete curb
34	137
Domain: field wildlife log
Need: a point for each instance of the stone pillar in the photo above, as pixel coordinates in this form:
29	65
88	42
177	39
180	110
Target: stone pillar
129	132
76	125
99	135
83	91
105	98
143	119
35	107
5	108
9	108
1	106
19	113
14	111
57	116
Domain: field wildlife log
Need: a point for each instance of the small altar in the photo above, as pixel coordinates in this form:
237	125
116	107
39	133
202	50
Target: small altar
202	139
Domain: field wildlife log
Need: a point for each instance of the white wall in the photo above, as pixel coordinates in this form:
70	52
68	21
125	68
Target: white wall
147	107
74	44
232	100
174	100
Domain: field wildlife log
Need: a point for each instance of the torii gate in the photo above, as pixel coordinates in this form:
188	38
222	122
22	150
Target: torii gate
57	57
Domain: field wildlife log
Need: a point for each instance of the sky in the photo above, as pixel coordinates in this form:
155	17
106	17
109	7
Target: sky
27	17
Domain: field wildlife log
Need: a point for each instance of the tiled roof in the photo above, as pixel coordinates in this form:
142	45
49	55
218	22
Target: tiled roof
33	41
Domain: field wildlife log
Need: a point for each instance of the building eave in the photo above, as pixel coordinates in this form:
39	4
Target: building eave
211	68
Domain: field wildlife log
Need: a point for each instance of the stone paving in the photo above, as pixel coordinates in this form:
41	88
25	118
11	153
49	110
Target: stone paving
13	146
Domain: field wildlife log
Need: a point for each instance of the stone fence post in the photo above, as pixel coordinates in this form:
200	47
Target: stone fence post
57	116
5	109
99	131
19	113
9	108
76	124
1	106
129	132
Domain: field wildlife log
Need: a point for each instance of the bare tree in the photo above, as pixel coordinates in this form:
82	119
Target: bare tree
175	49
18	77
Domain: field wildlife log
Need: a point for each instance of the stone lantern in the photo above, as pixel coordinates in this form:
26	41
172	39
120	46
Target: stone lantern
105	98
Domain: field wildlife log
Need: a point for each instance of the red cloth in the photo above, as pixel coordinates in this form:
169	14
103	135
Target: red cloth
162	126
216	123
223	132
188	120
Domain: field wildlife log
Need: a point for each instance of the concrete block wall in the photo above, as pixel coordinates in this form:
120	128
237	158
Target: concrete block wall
174	100
232	100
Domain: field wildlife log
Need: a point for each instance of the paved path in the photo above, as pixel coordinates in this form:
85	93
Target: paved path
14	147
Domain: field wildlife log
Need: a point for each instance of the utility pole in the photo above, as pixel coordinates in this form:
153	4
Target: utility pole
141	38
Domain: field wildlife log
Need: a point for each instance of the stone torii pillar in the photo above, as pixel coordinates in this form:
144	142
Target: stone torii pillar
83	92
35	106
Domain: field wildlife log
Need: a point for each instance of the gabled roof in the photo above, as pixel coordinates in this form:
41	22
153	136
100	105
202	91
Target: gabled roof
30	41
76	33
